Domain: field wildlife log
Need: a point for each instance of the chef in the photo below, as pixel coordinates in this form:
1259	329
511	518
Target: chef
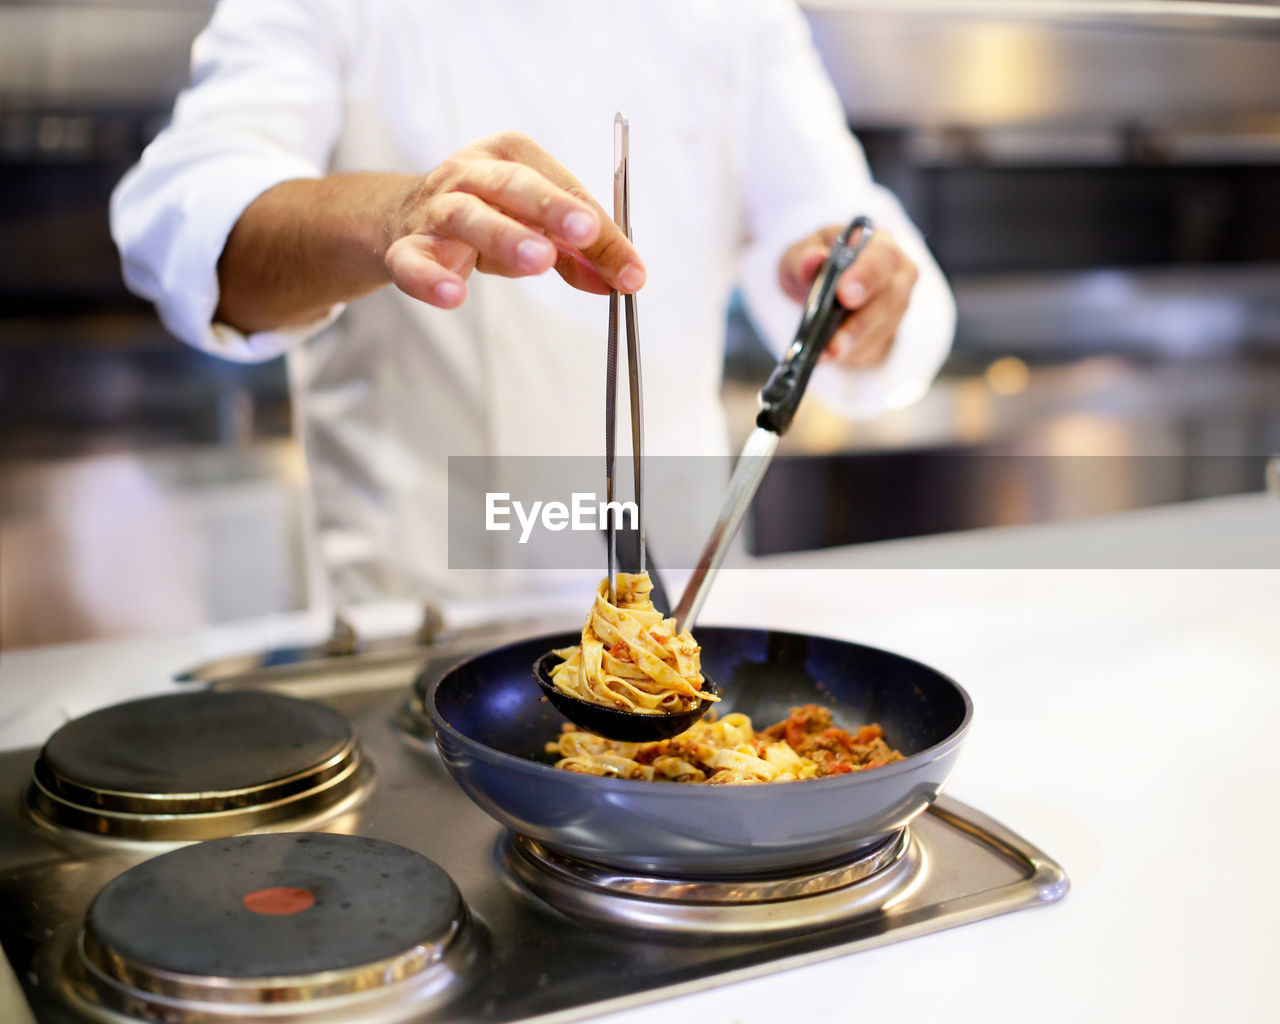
398	195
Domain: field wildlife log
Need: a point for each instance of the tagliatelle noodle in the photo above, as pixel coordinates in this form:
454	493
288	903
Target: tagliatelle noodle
630	657
729	751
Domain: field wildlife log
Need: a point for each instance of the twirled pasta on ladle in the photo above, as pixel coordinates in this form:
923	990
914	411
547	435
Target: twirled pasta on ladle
630	657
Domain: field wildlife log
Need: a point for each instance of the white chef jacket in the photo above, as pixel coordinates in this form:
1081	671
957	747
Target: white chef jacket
739	148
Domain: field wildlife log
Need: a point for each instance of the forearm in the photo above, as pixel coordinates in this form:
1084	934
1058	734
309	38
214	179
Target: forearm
305	245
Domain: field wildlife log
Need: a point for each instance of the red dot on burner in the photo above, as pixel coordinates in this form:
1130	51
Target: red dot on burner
279	901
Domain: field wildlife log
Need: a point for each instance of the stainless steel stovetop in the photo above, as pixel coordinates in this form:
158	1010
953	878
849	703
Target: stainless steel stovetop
525	934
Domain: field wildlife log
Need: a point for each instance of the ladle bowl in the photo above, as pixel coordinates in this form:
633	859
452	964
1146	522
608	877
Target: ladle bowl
614	723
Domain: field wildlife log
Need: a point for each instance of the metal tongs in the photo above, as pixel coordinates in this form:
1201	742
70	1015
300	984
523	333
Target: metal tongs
779	399
622	217
615	723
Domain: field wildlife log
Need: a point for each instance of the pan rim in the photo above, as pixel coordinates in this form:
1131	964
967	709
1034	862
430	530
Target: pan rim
502	759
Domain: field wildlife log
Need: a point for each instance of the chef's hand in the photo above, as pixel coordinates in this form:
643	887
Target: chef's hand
503	205
875	291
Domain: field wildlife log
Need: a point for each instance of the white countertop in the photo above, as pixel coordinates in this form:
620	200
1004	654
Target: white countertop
1125	722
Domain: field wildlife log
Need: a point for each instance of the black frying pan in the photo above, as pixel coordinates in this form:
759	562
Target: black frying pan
491	725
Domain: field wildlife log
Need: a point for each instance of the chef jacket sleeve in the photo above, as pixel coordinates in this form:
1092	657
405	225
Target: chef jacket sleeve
263	107
803	170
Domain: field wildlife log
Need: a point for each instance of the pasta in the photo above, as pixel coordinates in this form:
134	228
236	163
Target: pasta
728	751
630	657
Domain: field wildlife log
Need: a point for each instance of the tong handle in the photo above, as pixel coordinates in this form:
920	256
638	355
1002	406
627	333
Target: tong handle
781	394
610	446
627	308
622	216
637	422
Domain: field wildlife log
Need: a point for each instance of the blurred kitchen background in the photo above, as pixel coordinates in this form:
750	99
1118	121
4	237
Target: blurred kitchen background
1100	180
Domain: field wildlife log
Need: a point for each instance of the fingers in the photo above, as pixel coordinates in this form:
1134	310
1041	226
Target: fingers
529	196
616	260
800	265
867	334
801	262
502	244
864	339
871	272
578	272
416	269
878	290
609	252
465	232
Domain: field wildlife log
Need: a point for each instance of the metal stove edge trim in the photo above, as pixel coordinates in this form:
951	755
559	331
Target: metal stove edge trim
1046	883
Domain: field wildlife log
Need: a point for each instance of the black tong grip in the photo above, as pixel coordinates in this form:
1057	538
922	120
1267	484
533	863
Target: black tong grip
781	394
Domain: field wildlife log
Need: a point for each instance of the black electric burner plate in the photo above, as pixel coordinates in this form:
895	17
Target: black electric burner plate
273	905
180	743
195	765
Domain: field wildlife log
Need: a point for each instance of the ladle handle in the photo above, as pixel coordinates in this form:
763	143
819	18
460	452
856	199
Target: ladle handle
781	394
779	400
